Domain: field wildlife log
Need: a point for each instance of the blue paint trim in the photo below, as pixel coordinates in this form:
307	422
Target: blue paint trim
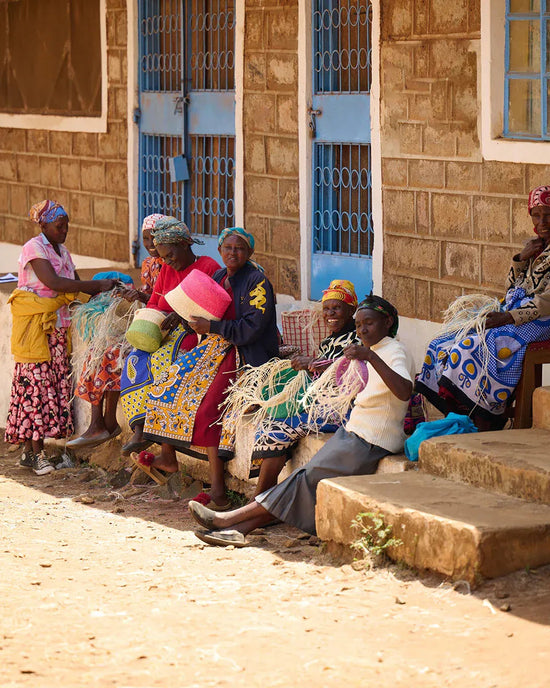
541	76
346	114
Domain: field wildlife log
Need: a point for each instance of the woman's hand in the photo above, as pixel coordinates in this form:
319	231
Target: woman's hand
497	319
132	295
301	362
200	325
531	248
107	284
170	322
357	352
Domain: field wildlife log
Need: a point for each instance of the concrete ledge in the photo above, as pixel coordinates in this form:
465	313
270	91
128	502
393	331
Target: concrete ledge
453	529
513	462
541	408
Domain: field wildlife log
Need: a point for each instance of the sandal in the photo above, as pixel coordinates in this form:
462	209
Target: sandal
157	474
222	538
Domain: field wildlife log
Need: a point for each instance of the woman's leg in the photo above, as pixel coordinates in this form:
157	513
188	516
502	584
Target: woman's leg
97	422
269	472
110	399
217	479
245	519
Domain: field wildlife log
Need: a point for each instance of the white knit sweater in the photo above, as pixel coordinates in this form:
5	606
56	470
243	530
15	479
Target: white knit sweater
378	414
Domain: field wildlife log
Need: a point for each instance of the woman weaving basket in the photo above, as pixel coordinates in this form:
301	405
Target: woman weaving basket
183	405
99	381
278	434
173	242
474	367
374	429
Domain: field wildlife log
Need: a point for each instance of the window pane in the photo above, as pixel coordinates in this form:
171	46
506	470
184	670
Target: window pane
524	6
524	46
50	57
524	107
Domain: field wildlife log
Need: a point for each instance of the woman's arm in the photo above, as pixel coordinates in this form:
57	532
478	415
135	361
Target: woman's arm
64	285
257	309
398	385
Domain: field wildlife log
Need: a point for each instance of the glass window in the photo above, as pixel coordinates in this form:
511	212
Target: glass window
527	69
50	57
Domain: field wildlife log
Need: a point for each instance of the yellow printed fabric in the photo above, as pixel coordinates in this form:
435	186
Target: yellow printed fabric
34	318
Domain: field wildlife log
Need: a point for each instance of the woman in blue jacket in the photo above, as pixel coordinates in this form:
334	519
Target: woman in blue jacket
183	406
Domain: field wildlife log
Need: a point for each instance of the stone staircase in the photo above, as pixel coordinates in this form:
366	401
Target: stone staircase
478	506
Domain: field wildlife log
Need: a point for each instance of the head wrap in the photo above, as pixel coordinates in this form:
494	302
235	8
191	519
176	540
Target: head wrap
538	196
238	231
150	221
341	290
170	230
377	303
46	211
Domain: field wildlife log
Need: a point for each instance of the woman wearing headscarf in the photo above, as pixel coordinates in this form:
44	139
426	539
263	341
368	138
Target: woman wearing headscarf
477	374
47	283
279	434
99	382
374	430
173	241
183	408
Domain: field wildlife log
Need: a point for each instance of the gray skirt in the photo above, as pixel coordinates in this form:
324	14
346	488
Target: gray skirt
293	500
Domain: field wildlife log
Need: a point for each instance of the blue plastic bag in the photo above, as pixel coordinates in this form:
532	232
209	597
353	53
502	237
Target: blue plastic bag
453	424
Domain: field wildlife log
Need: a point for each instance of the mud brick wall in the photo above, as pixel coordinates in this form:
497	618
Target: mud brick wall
452	221
86	172
270	134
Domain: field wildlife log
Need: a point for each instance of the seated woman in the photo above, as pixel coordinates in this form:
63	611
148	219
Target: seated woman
276	437
173	242
99	384
183	409
374	429
476	375
40	402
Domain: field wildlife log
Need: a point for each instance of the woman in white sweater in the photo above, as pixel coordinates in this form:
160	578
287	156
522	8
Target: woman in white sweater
374	429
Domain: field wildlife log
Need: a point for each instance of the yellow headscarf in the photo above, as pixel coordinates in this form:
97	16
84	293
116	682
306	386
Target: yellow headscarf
342	290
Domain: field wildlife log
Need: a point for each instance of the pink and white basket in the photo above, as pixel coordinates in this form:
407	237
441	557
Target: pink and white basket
198	295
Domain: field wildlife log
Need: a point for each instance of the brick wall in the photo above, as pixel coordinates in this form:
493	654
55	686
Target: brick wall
85	172
452	220
270	135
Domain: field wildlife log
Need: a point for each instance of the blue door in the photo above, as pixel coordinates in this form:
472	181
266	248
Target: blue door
342	230
187	114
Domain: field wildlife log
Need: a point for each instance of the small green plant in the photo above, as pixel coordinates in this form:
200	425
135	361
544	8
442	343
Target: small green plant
375	536
236	498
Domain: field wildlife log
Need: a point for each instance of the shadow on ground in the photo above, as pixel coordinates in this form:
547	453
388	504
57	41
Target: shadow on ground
523	593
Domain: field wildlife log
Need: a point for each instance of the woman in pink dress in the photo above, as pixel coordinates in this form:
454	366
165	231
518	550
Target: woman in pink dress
41	392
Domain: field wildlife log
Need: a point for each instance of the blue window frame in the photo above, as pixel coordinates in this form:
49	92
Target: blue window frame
527	70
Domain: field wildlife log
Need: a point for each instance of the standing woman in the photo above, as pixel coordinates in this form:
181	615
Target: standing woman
41	392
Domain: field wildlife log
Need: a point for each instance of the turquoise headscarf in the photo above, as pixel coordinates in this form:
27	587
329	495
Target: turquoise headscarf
238	231
245	236
170	230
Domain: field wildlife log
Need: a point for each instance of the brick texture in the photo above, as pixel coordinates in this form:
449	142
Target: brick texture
87	172
451	220
270	135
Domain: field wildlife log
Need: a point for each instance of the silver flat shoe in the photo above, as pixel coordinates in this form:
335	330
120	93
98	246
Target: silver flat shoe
222	538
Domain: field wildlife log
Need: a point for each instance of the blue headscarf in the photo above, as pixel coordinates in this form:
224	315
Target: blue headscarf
46	211
238	231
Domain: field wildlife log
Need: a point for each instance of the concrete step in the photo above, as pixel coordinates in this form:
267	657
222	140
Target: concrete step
512	462
541	408
457	530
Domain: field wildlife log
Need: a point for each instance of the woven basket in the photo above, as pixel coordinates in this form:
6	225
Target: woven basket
198	295
305	329
144	333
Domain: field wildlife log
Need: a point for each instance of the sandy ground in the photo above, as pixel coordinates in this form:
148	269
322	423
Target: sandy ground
115	590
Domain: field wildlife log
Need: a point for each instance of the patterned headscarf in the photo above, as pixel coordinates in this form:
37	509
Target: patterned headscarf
46	211
341	290
538	196
238	231
150	221
170	230
377	303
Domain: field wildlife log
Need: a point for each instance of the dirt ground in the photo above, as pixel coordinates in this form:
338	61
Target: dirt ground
105	586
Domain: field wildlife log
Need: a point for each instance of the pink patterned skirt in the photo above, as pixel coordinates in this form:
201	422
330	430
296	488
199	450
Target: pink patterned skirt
40	401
